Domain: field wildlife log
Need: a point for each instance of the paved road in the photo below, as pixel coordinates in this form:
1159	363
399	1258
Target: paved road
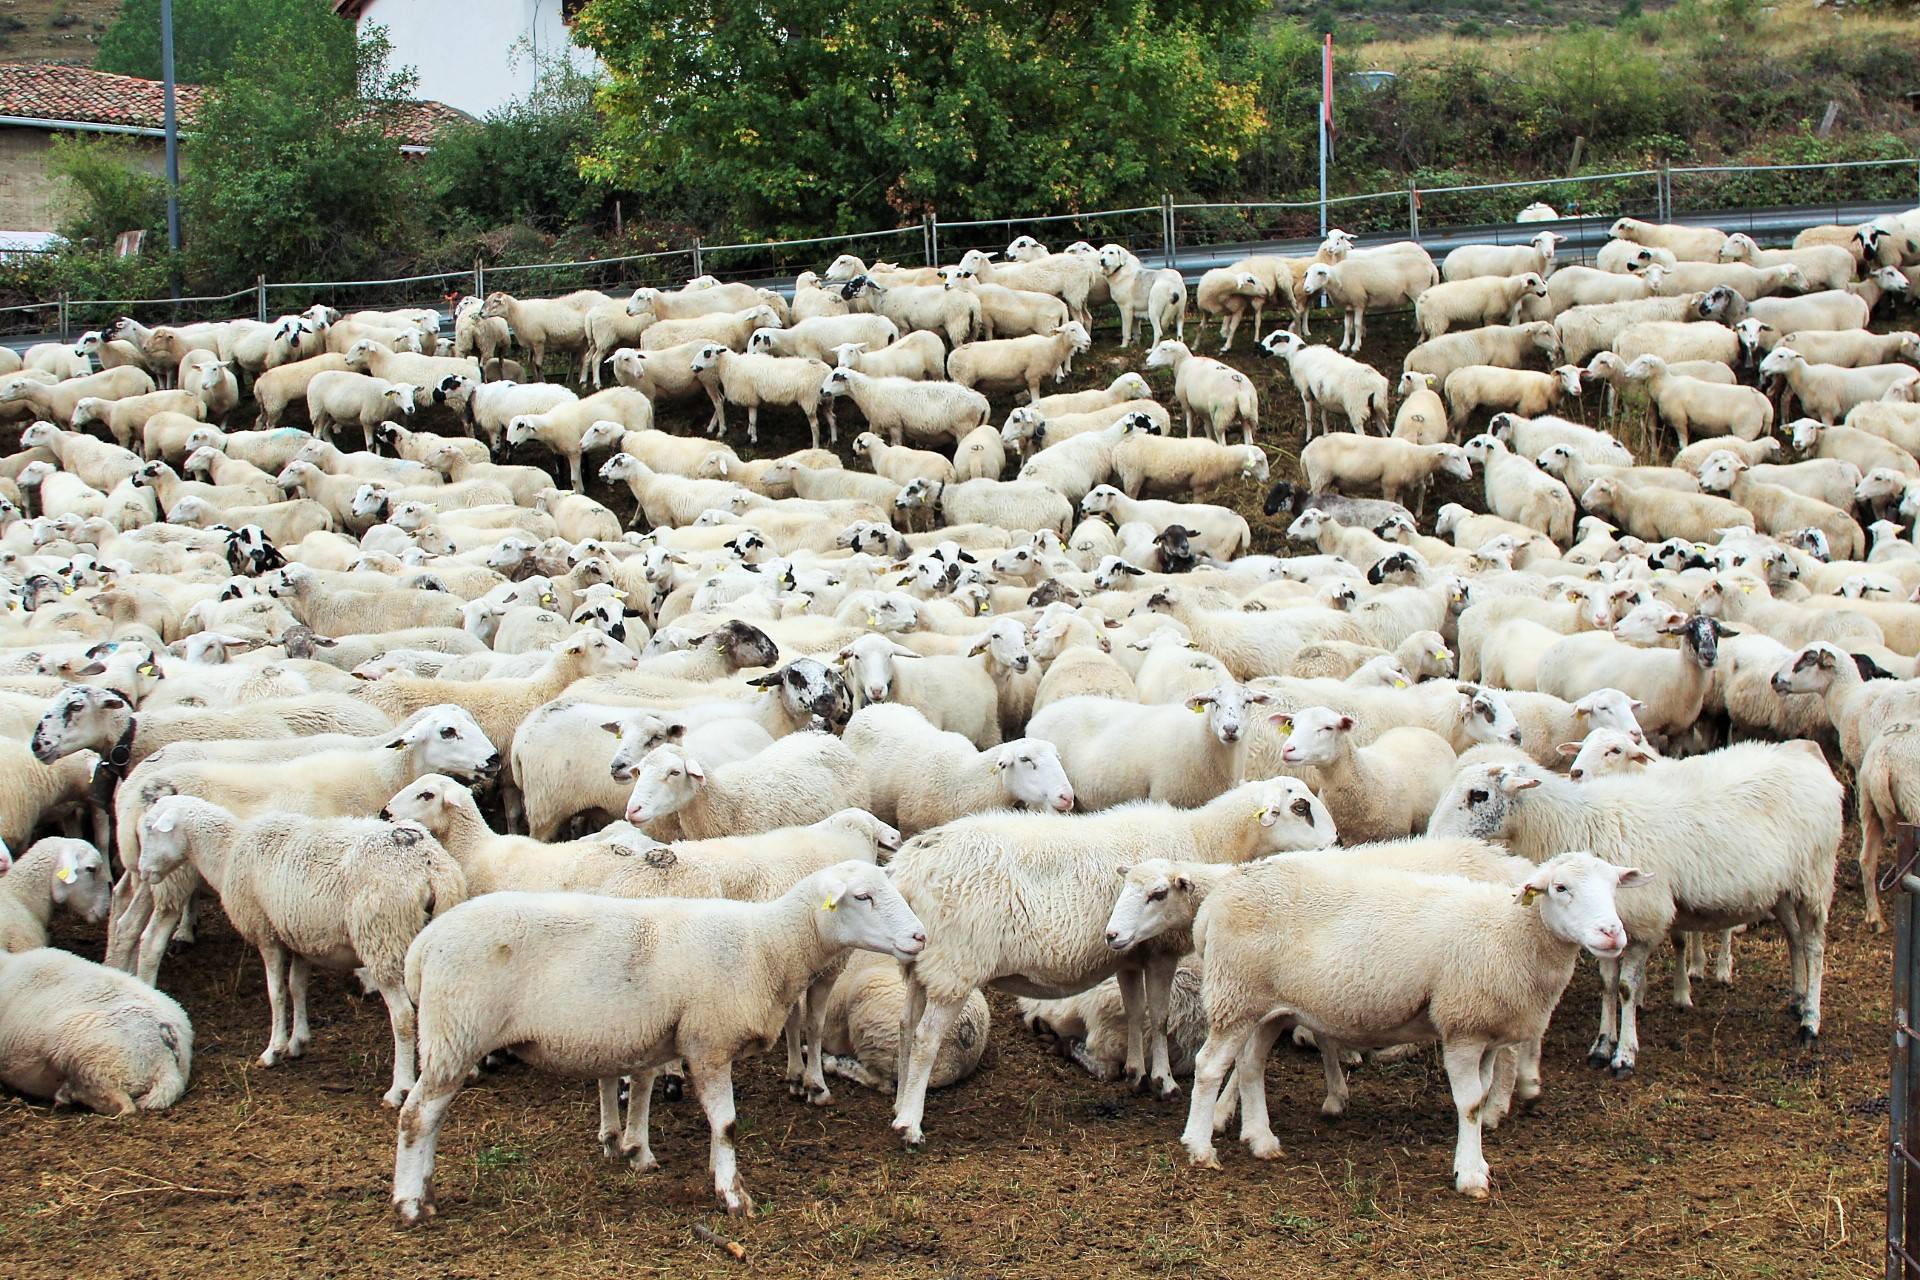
1585	236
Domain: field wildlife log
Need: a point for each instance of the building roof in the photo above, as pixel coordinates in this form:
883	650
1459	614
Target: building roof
77	95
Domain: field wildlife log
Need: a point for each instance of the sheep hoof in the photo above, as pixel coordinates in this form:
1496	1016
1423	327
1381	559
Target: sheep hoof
1809	1036
1203	1158
910	1136
1474	1191
1621	1070
1332	1108
394	1096
412	1212
178	946
739	1203
641	1160
819	1095
1264	1147
1166	1089
610	1145
296	1048
269	1058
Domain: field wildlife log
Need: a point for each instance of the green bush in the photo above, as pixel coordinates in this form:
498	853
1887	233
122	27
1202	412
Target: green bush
209	36
105	190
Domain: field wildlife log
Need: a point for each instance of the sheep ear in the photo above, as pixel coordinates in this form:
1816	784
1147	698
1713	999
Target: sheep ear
1642	755
164	822
1198	703
613	727
980	646
1346	722
1631	876
1513	784
694	771
1568	749
1123	868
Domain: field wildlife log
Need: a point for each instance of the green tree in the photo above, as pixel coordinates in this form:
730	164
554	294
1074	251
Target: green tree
522	163
210	35
810	115
292	169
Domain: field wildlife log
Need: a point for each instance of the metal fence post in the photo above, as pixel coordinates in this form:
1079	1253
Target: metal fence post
260	297
926	237
1413	211
699	269
933	237
63	319
1903	1225
479	278
1166	228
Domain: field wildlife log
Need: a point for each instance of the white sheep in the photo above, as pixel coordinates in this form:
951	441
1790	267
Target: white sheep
1006	363
1743	834
76	1032
1020	902
1381	791
1376	282
1687	244
1474	302
904	409
337	893
1327	379
920	777
338	397
1342	462
1476	388
1140	293
1350	950
1181	753
1519	491
1510	346
1506	260
719	976
55	873
900	463
800	778
861	1037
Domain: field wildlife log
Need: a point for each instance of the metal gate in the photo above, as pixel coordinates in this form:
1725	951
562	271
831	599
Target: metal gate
1903	1098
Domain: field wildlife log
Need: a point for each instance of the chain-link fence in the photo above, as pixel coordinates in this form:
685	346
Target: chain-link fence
1770	202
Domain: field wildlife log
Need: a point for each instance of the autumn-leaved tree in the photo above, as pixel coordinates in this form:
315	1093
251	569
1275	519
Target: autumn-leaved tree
785	116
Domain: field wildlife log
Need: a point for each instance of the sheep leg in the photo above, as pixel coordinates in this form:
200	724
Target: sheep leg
420	1118
153	942
814	1083
1601	1051
1684	945
940	1014
1335	1103
1633	978
1814	948
513	807
795	1034
1527	1073
1099	1068
1506	1070
1723	963
189	914
913	1007
274	957
851	1068
131	908
636	1141
1250	1070
298	971
1470	1073
1133	1000
713	1084
753	426
1229	321
1210	1068
609	1090
1159	993
1696	955
1796	957
400	1013
573	470
1872	840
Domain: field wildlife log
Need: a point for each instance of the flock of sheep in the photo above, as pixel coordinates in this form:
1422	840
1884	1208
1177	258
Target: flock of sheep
827	750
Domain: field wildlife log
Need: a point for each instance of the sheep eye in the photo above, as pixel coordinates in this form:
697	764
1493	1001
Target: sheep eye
1157	895
863	897
1301	808
448	732
673	773
1476	796
1559	888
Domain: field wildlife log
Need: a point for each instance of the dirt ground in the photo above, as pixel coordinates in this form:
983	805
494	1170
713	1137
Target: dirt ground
1733	1151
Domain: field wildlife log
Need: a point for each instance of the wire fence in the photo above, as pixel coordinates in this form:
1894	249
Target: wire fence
1768	201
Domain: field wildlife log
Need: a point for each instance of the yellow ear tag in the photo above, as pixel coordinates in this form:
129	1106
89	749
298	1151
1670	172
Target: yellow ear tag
828	904
148	669
1439	655
993	768
873	619
1399	684
1198	710
64	875
67	590
986	606
1574	596
1527	896
1746	589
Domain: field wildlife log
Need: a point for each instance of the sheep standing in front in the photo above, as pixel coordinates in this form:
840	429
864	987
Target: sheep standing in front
1355	955
1520	491
1381	791
1375	283
801	778
332	892
709	980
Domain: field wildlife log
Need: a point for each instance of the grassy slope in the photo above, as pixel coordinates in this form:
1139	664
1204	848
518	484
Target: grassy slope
53	30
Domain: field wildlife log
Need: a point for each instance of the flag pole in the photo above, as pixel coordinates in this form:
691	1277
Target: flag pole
1326	115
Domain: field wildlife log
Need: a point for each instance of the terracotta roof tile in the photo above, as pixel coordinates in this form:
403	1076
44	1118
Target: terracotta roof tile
95	97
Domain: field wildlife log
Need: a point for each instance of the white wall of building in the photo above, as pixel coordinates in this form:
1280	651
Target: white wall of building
473	54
